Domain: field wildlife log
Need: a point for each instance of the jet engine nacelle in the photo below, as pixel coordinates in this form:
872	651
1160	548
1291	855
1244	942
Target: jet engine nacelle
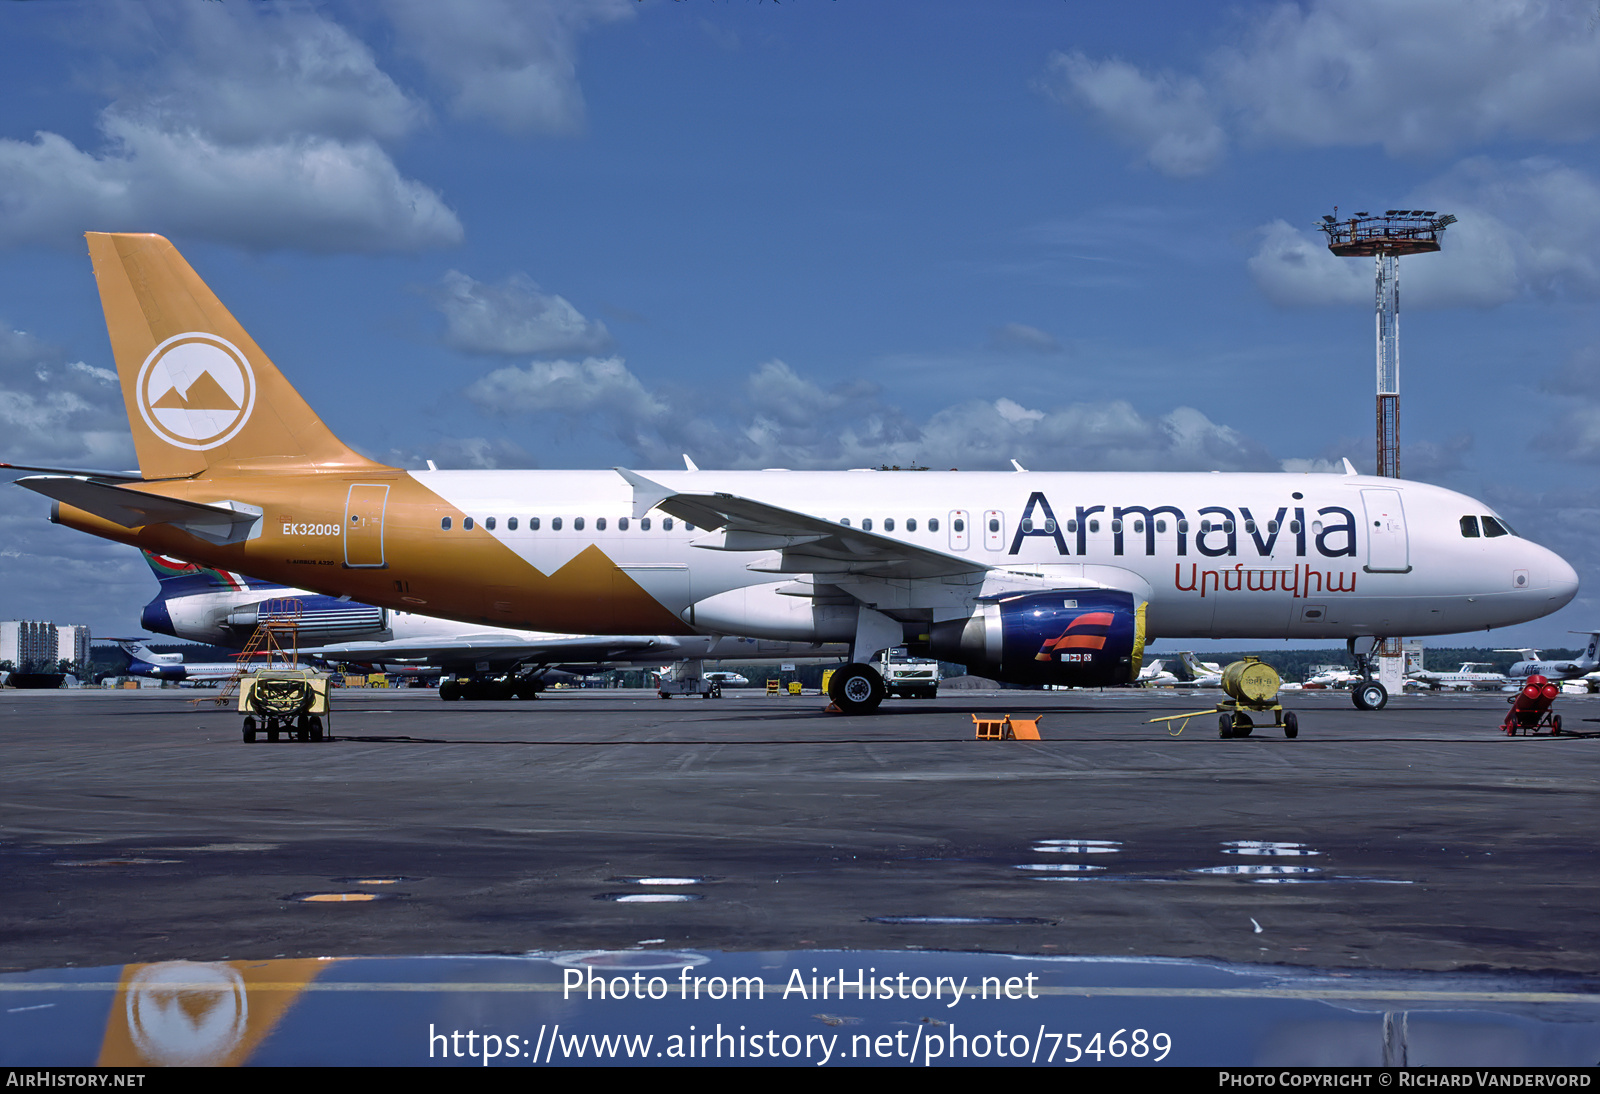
1077	637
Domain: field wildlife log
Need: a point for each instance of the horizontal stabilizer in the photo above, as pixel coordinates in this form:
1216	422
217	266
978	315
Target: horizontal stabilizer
228	522
111	476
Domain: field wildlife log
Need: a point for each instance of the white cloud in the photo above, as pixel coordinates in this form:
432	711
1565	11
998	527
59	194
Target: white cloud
1170	118
513	317
256	126
786	420
1530	228
1020	336
58	411
512	62
1420	78
601	385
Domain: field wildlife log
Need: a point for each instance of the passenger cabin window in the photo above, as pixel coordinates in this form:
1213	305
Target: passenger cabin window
1250	526
911	524
687	527
466	522
533	524
1094	526
1138	527
577	524
959	525
866	524
1161	526
444	524
599	524
644	524
888	524
1072	526
622	524
1272	527
994	524
1027	524
1493	528
845	521
488	522
666	524
555	524
933	524
1116	524
1205	526
1183	527
1294	528
511	524
1049	526
1469	527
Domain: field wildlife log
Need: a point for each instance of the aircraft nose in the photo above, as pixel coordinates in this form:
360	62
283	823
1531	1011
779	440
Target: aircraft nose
1562	584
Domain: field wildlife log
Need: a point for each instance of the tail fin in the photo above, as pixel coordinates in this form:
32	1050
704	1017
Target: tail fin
200	393
180	578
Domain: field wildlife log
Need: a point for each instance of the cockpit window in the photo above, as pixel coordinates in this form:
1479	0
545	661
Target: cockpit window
1492	528
1469	527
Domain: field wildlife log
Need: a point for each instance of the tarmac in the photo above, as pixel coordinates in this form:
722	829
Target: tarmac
138	827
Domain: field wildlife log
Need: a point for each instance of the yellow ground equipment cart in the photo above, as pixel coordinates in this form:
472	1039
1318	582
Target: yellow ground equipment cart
1252	687
289	701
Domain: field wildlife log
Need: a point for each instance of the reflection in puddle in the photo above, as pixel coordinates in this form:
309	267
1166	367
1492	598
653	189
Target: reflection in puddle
1058	867
1253	868
1259	847
1078	846
650	898
559	1008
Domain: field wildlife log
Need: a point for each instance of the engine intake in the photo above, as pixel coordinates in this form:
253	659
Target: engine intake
1076	637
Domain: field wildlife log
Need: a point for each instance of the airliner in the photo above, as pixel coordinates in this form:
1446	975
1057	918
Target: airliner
1025	577
1466	678
223	608
1532	664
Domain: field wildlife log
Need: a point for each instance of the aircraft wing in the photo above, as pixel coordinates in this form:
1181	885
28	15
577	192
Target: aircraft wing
499	647
806	544
136	508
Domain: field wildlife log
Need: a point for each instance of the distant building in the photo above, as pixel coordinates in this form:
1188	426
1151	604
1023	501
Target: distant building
29	643
72	642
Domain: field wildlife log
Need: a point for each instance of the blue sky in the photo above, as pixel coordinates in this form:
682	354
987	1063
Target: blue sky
820	233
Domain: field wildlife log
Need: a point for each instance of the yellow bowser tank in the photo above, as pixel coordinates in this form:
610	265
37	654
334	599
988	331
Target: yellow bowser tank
1250	681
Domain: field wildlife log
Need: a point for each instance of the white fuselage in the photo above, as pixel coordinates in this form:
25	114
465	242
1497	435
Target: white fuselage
1215	555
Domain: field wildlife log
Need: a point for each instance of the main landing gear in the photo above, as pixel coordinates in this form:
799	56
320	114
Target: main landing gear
856	689
490	687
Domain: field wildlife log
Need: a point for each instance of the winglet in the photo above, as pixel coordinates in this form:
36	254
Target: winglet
646	494
1349	468
688	463
1018	466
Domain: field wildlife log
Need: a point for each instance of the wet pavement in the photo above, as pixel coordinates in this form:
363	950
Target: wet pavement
138	829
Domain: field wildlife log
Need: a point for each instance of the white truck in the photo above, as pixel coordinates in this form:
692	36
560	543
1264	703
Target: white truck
906	677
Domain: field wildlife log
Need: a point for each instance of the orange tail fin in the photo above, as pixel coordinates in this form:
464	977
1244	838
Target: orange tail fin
201	396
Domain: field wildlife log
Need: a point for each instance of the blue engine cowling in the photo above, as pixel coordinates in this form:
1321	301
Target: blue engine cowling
1076	637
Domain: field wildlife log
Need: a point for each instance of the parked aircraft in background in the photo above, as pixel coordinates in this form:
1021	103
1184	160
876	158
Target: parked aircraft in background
220	607
143	661
1469	677
1022	577
1202	674
1532	664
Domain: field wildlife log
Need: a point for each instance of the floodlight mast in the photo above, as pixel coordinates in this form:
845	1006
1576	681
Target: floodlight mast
1397	232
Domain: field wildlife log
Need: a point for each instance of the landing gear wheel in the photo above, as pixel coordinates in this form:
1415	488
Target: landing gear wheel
856	689
249	730
1370	696
1291	725
450	691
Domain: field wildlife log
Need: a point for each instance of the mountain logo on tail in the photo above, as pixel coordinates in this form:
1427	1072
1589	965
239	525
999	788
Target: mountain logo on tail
196	391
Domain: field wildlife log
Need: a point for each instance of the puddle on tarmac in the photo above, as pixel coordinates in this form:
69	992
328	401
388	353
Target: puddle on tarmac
806	1007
